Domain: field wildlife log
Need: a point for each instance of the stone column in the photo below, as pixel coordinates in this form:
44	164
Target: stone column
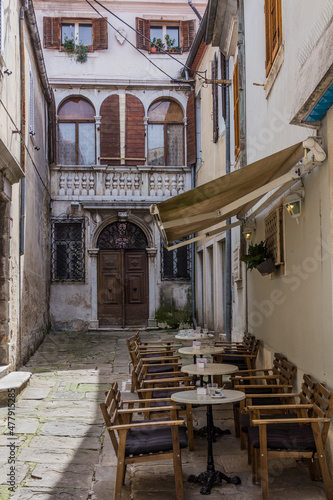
98	139
92	266
152	269
145	121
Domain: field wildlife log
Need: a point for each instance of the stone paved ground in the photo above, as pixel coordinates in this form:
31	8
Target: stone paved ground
62	452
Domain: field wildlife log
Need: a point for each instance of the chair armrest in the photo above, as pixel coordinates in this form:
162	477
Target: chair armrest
141	401
162	358
166	380
149	365
257	377
270	386
295	406
290	421
127	411
158	389
144	424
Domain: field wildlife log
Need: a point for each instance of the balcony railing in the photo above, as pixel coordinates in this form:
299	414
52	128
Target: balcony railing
118	183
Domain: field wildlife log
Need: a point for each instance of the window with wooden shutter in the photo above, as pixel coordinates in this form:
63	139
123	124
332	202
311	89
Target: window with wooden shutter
191	129
215	99
143	27
273	30
100	34
110	131
224	88
52	32
236	108
135	131
188	29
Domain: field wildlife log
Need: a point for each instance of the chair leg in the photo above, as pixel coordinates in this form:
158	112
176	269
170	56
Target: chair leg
249	451
242	440
121	467
314	469
177	463
263	462
189	421
322	461
236	420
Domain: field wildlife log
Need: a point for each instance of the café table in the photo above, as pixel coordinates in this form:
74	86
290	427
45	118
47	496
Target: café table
210	370
201	351
210	475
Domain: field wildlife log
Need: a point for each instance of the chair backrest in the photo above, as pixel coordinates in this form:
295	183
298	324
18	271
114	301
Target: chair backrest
284	370
306	395
323	407
109	410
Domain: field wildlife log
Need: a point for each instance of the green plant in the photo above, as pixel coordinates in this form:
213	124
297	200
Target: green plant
257	254
153	42
79	51
169	42
159	43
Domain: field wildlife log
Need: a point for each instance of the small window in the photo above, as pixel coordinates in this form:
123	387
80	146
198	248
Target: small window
68	250
80	33
92	33
273	31
176	36
176	264
77	132
235	83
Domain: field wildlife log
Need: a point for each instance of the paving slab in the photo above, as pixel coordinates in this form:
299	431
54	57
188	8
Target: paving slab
61	476
57	442
48	494
58	456
70	429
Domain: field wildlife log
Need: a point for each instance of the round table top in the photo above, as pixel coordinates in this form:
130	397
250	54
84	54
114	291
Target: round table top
201	350
192	397
194	337
211	369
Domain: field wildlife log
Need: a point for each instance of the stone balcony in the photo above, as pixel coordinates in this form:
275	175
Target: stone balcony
146	184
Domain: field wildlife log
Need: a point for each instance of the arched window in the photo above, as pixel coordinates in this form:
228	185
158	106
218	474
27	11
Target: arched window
165	134
76	132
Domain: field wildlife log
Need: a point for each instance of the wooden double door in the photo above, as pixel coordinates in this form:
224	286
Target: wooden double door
123	288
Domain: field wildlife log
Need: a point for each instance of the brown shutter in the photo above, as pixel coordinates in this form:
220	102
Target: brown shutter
100	34
188	28
52	32
110	131
236	108
268	35
215	100
224	88
135	131
273	31
143	26
191	130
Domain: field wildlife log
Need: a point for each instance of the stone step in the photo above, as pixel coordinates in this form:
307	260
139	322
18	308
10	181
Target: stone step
3	370
14	380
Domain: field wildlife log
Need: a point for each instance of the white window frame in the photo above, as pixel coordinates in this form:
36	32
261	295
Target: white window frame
164	25
76	24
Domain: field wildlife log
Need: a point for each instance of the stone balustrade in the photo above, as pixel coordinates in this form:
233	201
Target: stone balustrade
121	182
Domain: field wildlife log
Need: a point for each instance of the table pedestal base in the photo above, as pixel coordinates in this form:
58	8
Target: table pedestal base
202	432
209	478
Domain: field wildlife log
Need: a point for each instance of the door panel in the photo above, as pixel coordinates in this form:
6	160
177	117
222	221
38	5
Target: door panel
123	288
136	288
110	289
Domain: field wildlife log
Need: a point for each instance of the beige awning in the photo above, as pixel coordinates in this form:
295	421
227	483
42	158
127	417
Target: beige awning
227	196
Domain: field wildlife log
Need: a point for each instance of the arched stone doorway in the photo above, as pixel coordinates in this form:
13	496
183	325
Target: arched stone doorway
123	298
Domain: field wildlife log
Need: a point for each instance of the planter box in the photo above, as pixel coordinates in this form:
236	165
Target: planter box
266	267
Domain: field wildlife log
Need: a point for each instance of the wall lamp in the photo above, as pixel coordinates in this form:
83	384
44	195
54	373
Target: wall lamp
293	203
248	231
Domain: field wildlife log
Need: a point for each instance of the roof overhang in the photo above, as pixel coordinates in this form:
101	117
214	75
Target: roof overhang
219	15
234	194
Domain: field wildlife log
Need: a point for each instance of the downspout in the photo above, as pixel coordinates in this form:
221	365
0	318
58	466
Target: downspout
22	182
194	319
228	221
242	124
194	10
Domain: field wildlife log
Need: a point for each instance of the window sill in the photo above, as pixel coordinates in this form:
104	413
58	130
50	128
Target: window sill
274	71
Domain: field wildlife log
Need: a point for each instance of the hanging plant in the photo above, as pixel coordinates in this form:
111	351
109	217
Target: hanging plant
80	51
260	258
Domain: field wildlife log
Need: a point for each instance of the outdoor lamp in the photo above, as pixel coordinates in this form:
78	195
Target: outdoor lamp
249	230
293	203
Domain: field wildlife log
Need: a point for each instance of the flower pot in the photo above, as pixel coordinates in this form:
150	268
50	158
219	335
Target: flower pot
266	267
153	49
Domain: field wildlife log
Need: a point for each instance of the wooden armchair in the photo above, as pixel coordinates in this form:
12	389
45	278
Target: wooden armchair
243	355
301	437
136	442
259	389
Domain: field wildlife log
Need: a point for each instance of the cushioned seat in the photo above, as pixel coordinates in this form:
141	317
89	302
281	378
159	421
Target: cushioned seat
244	419
152	440
285	437
161	368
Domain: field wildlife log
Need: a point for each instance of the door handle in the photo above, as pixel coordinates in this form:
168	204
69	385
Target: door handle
135	289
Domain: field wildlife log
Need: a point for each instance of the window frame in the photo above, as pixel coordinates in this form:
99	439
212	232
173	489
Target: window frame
187	30
31	103
273	37
175	256
77	23
52	32
235	83
70	273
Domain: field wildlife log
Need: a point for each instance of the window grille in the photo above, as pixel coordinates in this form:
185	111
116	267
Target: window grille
176	264
274	235
68	245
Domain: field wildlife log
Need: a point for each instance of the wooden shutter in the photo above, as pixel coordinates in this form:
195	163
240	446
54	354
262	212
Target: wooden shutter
273	31
236	108
135	131
143	26
99	34
224	88
191	130
215	100
188	29
52	32
110	131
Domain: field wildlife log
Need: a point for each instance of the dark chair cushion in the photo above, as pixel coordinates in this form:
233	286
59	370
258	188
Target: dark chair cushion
161	368
165	394
285	437
152	440
244	419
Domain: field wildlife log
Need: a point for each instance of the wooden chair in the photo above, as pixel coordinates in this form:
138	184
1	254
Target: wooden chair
279	380
301	437
136	442
243	355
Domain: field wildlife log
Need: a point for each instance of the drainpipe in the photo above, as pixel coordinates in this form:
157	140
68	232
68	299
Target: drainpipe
194	10
194	319
228	221
22	182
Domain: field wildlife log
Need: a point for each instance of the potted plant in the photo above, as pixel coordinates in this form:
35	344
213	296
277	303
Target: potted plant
153	47
79	51
160	44
258	257
169	43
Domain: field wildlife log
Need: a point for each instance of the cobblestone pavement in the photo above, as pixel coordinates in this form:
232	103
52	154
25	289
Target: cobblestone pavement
62	452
